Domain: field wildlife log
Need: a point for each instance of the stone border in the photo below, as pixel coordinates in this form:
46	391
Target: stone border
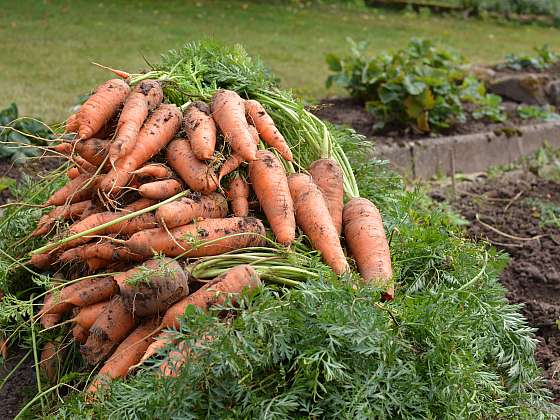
469	153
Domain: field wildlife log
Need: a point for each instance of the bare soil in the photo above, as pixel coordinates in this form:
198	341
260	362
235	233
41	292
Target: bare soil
20	387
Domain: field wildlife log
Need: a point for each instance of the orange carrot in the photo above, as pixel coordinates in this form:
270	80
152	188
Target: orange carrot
78	189
59	213
160	190
4	349
208	237
196	174
328	176
80	334
126	355
192	207
228	111
100	107
145	97
41	261
238	194
151	288
50	320
312	216
50	360
177	358
107	332
254	134
83	293
266	128
367	242
140	204
85	316
200	129
64	148
270	184
156	132
84	167
154	170
72	124
73	173
101	250
93	150
95	264
230	165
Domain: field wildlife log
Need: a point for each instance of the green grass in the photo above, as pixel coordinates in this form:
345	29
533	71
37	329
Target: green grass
47	46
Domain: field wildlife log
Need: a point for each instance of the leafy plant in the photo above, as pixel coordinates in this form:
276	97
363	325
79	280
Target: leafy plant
421	85
543	59
543	113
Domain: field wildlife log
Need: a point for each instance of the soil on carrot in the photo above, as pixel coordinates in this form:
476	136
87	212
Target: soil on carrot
352	113
20	386
520	214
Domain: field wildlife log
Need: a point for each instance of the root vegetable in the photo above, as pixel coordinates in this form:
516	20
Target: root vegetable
41	261
152	287
200	129
80	334
85	316
367	242
160	190
192	207
312	216
102	250
141	204
93	150
238	194
270	184
107	332
63	212
208	237
230	165
50	361
145	97
72	124
196	174
228	111
73	192
157	131
73	173
326	173
154	170
101	106
266	128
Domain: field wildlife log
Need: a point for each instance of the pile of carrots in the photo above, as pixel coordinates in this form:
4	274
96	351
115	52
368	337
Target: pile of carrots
150	184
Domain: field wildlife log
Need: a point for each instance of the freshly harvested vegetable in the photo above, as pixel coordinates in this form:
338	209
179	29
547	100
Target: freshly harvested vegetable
151	288
326	173
230	165
238	194
140	204
196	174
312	216
228	111
157	131
200	129
189	208
76	190
269	181
93	150
257	115
160	190
63	212
72	124
50	320
102	250
153	170
367	242
85	316
144	98
208	237
80	334
73	173
100	107
107	332
49	361
126	355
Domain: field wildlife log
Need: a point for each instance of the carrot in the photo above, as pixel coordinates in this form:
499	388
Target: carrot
208	237
41	261
312	216
83	293
254	134
156	132
326	173
176	359
367	242
102	250
200	129
152	287
73	173
270	184
144	98
85	316
228	111
64	148
95	264
50	361
4	348
126	355
74	191
93	150
196	174
160	190
154	170
50	320
84	167
80	334
238	194
266	128
63	212
230	165
100	107
93	208
107	332
140	204
192	207
72	124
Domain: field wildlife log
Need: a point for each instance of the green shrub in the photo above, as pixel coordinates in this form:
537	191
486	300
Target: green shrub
421	85
543	60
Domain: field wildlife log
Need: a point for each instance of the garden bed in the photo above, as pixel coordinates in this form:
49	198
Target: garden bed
516	213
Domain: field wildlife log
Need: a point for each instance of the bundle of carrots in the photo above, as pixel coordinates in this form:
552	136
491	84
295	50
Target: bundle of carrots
150	184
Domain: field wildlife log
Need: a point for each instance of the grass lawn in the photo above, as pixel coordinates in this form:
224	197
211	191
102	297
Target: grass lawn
47	46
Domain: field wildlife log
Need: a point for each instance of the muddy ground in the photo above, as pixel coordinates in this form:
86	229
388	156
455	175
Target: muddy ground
520	214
